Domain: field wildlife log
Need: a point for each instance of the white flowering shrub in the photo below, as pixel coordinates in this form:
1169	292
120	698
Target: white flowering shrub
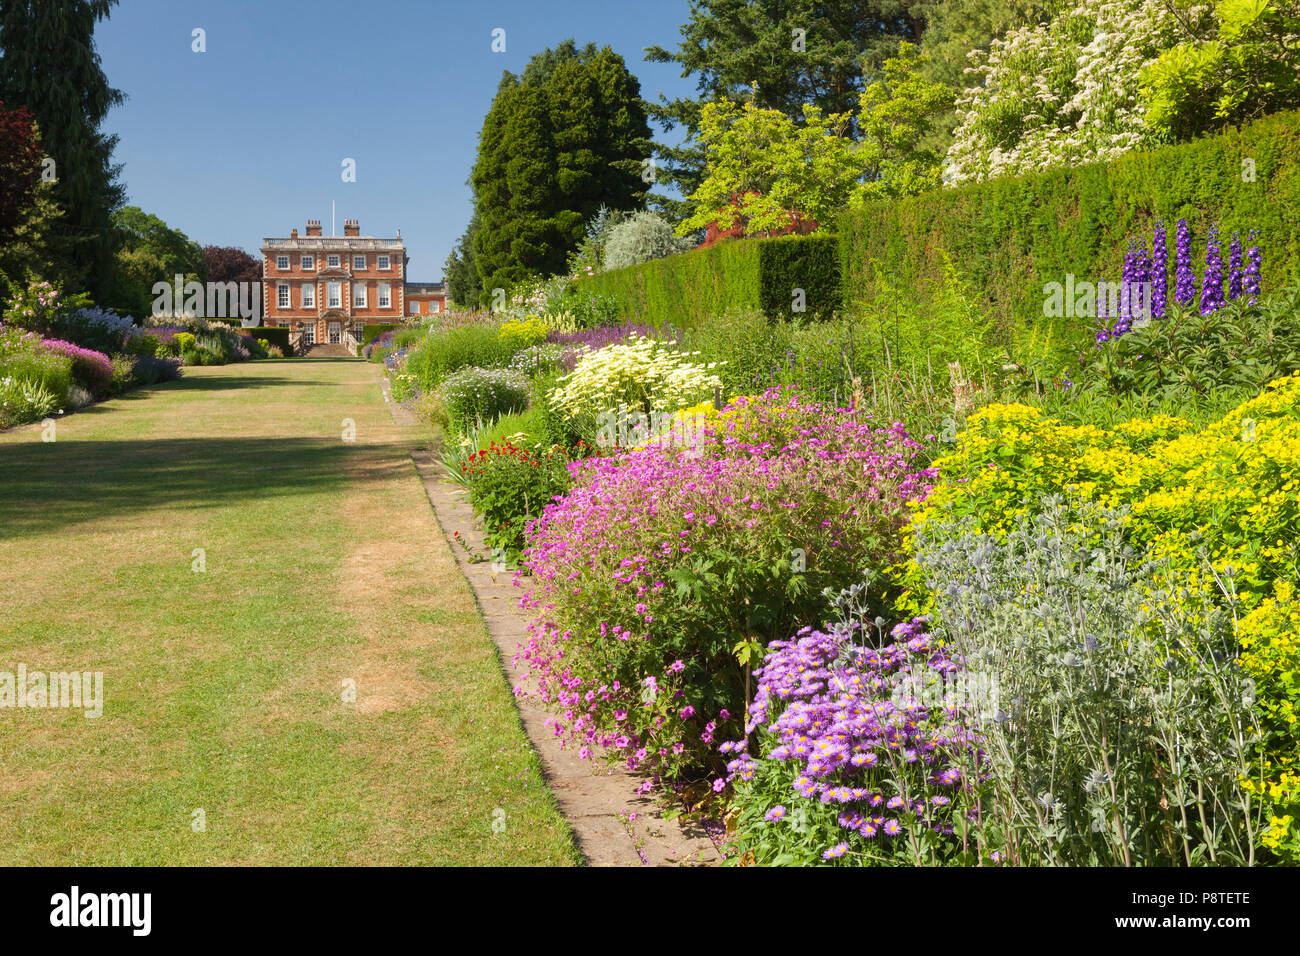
482	395
642	374
1064	93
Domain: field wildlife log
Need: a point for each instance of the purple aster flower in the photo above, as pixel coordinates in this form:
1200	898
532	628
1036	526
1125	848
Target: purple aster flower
775	814
836	851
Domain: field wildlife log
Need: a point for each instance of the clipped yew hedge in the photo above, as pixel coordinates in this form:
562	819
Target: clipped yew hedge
746	275
1009	237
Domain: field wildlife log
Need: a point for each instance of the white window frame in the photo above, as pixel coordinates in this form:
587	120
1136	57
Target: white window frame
435	306
332	262
334	295
358	295
413	307
384	298
282	263
384	263
282	296
309	333
308	262
309	295
362	261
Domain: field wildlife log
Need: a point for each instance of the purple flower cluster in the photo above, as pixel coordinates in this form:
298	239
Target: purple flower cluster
589	340
92	370
1250	281
1185	279
1234	268
856	736
1159	270
1212	279
1143	272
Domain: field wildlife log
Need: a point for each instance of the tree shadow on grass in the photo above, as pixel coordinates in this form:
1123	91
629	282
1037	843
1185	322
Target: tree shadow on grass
49	486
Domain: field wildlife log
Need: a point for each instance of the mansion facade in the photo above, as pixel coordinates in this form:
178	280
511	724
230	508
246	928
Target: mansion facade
326	289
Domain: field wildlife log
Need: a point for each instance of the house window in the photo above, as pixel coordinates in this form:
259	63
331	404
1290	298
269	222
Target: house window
309	262
385	297
359	262
309	334
333	262
359	295
415	308
308	296
435	306
334	299
383	262
282	262
282	295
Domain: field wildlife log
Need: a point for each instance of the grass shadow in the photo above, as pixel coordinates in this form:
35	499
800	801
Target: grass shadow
47	486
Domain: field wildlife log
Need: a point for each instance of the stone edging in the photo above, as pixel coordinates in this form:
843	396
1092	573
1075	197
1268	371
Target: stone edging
612	824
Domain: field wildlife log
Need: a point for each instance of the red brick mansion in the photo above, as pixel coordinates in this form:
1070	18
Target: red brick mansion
328	288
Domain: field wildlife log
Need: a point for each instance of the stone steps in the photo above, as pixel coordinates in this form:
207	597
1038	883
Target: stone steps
325	350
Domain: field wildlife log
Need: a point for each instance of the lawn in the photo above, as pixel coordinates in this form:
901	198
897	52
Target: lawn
225	669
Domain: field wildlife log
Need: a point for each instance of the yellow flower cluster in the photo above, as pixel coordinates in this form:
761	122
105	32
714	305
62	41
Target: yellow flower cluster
520	333
1233	487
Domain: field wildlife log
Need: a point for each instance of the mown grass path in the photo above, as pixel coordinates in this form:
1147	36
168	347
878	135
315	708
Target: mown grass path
224	687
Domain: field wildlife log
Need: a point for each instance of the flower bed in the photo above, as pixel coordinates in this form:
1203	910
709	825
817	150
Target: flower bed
663	572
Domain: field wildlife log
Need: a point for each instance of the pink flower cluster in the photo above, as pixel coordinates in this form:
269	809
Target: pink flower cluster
93	370
659	561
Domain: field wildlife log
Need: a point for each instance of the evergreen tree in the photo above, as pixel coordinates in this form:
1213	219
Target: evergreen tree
48	63
564	137
461	276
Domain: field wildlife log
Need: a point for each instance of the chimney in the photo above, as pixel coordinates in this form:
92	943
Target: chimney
313	227
293	234
351	227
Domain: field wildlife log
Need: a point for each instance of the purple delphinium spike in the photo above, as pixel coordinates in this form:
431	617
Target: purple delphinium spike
1185	279
1234	268
1250	281
1127	289
1160	268
1212	280
1103	330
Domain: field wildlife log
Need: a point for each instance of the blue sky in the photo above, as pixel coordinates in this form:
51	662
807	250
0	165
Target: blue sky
246	140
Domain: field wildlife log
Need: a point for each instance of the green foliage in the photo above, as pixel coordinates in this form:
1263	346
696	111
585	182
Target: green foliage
509	485
758	274
463	288
439	354
1240	60
1185	356
24	362
780	56
767	172
273	335
372	331
895	115
1008	237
